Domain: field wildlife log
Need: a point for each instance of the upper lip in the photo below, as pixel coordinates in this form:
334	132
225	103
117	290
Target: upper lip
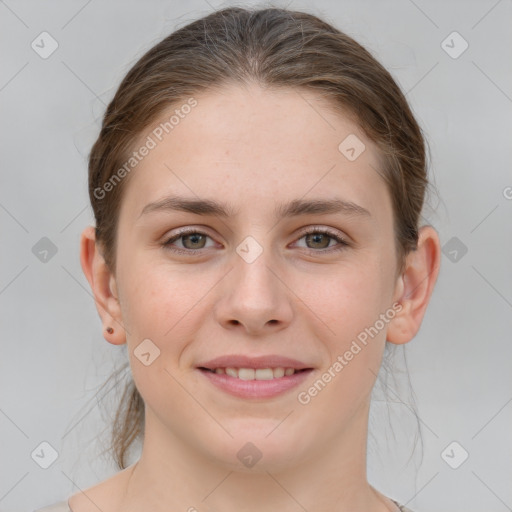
243	361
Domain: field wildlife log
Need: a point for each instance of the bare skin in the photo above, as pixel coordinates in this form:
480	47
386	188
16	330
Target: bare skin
253	149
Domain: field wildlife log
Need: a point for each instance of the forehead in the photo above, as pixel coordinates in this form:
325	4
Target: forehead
249	145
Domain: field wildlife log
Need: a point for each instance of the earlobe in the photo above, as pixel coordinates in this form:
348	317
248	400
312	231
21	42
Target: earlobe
103	286
415	285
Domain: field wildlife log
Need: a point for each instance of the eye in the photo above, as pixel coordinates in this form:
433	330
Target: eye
191	240
319	239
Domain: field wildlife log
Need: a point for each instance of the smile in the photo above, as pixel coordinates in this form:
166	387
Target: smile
254	373
255	383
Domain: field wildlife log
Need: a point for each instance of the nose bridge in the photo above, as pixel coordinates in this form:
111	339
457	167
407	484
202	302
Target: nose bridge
252	273
252	295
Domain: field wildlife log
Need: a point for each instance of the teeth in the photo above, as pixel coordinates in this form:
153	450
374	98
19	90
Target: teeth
279	372
232	372
263	374
255	374
246	374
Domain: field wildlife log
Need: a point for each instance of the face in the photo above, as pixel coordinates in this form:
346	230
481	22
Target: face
263	282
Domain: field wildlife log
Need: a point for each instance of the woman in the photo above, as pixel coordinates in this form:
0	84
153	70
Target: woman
257	188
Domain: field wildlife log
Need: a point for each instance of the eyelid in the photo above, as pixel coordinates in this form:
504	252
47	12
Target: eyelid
341	239
324	230
184	232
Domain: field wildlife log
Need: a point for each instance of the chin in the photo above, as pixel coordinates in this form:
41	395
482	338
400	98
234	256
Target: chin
250	451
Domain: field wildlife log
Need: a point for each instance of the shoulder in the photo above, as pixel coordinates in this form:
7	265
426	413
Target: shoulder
105	495
62	506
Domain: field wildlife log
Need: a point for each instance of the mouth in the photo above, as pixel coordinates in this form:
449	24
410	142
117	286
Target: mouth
255	373
254	377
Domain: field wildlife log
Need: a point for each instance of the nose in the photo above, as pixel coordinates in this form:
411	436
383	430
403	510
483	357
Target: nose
254	298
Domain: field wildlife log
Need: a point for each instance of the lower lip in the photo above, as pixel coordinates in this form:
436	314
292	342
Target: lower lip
255	388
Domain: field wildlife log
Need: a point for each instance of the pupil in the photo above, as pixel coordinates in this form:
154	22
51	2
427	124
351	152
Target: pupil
317	239
194	238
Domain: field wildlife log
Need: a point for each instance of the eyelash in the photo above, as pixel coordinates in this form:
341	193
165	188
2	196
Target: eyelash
323	231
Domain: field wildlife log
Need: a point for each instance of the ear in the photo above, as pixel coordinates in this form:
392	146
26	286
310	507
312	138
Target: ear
103	286
414	286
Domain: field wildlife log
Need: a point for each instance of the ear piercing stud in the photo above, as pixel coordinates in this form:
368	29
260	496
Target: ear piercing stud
109	330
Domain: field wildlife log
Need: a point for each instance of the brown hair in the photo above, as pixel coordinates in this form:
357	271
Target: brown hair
272	47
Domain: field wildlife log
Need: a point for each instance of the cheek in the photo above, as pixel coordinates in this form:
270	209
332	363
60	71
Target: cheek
354	306
360	313
166	305
157	302
159	330
348	300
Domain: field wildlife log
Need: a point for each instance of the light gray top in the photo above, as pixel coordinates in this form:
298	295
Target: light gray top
62	506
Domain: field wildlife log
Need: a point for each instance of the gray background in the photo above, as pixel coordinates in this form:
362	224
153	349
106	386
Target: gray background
53	354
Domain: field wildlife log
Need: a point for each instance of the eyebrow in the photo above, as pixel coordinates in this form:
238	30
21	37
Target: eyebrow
294	208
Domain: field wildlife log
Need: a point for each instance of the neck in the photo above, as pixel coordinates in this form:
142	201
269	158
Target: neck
172	474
